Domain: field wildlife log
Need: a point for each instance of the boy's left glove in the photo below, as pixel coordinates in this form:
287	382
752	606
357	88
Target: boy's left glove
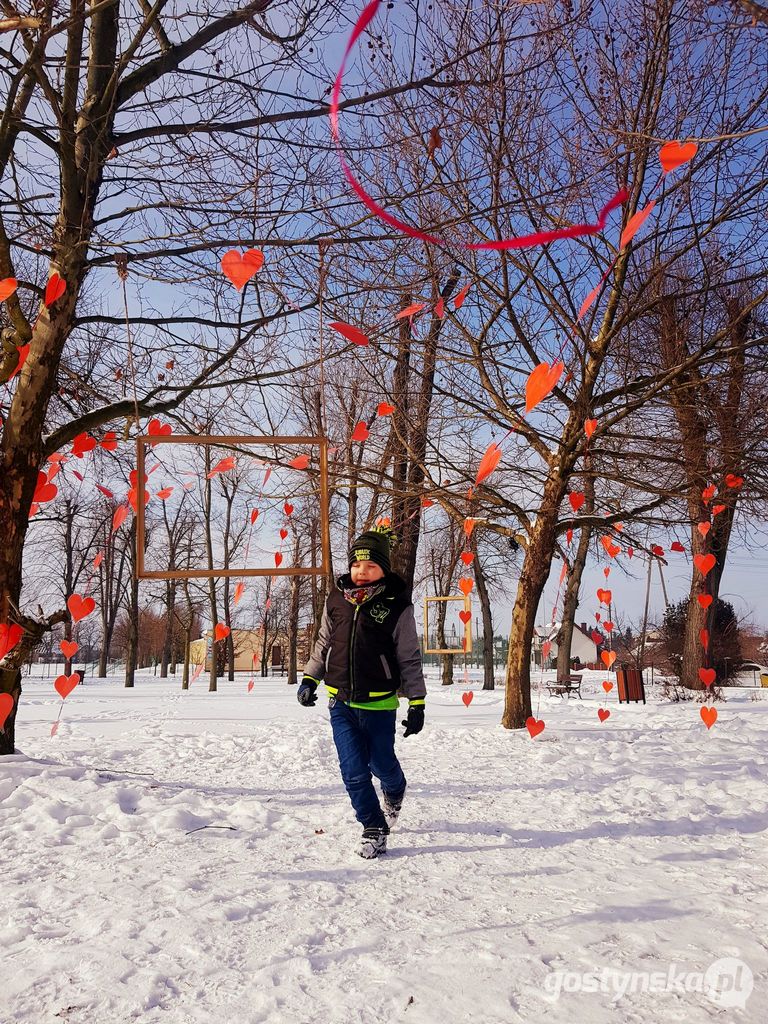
415	721
306	694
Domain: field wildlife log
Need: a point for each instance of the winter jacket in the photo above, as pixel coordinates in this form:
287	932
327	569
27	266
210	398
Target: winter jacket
369	652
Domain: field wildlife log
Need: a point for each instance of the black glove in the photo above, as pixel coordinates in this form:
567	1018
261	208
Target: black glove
415	721
306	694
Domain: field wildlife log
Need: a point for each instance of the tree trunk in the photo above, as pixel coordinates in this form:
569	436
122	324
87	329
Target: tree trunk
10	682
185	676
533	578
292	629
406	508
214	666
573	585
489	682
170	601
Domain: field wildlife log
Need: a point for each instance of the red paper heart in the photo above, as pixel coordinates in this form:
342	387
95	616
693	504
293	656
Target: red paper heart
45	491
409	311
541	381
353	334
657	550
606	572
54	289
608	626
704	563
675	154
717	509
611	549
220	632
104	490
704	638
707	676
677	546
7	287
254	516
467	557
467	697
733	481
288	509
465	585
64	685
630	551
80	607
83	443
165	493
224	465
385	409
458	302
9	637
278	559
109	441
568	535
708	493
704	528
300	462
597	638
239	589
577	499
590	426
608	658
283	534
240	269
603	713
465	616
121	514
604	596
250	685
705	600
158	429
23	354
360	433
533	726
69	648
6	700
708	715
488	463
607	686
469	525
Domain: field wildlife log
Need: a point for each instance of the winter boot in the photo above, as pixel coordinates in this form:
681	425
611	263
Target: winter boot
373	842
391	808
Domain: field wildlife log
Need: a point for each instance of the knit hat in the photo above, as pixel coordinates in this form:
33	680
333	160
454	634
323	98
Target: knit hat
372	546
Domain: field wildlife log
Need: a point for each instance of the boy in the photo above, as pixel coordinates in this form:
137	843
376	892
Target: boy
367	651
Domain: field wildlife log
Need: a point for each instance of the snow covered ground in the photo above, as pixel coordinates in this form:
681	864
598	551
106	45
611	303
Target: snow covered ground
626	856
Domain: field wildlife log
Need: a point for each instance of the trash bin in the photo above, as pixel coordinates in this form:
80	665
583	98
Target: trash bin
80	673
629	683
764	679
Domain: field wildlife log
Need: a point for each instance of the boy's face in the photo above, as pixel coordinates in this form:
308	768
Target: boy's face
365	572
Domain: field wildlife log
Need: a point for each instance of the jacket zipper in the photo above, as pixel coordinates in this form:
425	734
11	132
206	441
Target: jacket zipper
352	654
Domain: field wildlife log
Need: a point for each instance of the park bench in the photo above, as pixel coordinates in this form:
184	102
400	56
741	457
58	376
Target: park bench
566	686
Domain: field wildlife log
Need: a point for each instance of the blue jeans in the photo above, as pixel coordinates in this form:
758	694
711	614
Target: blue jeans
365	742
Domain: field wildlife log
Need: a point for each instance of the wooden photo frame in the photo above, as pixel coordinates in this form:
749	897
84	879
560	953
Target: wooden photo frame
207	440
467	640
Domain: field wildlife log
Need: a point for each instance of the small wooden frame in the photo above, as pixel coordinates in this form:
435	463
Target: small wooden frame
467	647
206	440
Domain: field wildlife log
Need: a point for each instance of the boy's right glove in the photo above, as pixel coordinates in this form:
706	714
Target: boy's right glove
415	721
306	694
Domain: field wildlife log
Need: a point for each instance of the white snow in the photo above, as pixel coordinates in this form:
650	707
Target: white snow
633	845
